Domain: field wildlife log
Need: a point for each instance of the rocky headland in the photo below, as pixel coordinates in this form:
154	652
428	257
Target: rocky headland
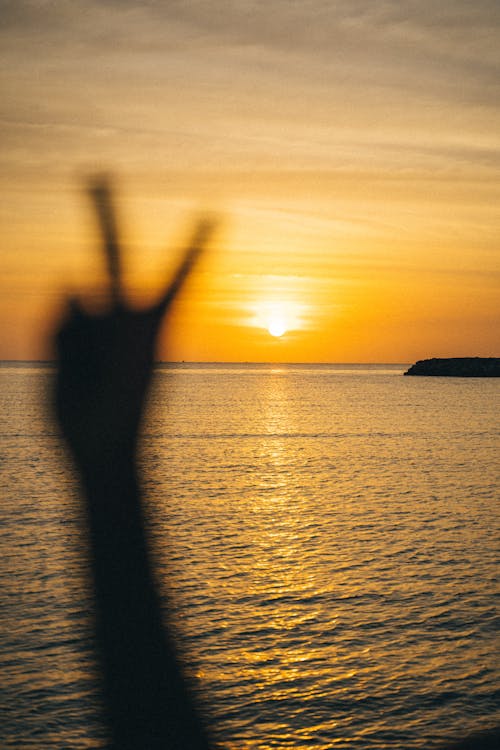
458	367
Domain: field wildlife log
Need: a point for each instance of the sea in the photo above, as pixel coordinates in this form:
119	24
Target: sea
326	536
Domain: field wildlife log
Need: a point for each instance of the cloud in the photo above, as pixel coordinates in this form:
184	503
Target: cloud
253	83
455	28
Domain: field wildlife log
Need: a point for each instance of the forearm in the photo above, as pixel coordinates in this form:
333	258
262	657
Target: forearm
148	705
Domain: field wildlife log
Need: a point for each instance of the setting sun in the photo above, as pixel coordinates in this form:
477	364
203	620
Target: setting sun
279	316
276	328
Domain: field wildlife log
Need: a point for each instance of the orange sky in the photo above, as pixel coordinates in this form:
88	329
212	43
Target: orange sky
351	149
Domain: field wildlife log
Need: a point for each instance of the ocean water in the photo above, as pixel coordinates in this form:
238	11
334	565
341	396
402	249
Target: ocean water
328	536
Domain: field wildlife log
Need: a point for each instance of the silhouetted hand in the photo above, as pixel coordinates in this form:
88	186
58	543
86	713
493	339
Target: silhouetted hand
106	360
105	366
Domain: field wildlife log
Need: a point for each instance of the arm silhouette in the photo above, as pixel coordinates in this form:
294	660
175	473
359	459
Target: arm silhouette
105	365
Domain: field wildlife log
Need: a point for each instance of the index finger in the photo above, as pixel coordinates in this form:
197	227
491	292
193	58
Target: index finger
100	193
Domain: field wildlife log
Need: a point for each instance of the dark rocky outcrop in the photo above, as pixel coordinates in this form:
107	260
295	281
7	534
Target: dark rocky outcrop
458	367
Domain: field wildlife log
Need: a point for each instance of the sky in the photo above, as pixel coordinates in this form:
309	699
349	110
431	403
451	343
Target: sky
350	149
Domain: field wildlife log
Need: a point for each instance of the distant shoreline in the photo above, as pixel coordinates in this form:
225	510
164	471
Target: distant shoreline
458	367
478	367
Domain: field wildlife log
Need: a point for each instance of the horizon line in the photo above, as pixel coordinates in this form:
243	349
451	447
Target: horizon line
217	362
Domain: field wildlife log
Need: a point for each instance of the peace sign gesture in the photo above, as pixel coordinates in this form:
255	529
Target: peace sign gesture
106	360
105	366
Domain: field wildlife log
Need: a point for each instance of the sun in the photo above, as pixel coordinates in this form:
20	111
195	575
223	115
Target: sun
276	327
276	317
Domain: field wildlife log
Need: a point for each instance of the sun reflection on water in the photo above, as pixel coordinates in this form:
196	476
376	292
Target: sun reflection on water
329	558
